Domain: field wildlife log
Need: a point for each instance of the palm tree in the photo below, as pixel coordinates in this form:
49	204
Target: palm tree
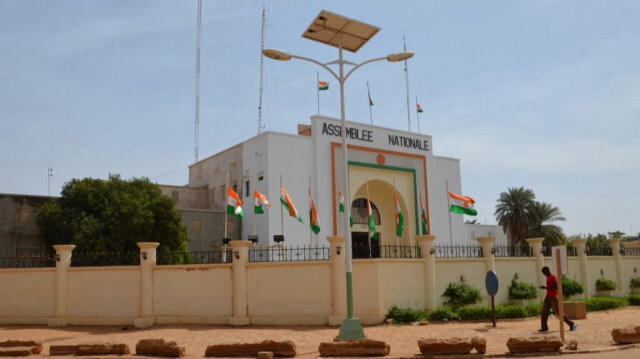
541	215
512	213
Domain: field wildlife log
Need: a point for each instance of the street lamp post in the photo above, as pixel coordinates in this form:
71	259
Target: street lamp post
351	327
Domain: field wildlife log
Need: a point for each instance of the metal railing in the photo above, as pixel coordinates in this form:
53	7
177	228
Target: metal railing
632	251
512	251
458	251
599	251
32	261
289	254
203	257
105	258
385	251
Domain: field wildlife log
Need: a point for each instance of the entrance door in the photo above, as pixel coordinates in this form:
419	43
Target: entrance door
360	244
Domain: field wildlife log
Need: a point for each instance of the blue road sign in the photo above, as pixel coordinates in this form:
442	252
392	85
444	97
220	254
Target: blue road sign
491	282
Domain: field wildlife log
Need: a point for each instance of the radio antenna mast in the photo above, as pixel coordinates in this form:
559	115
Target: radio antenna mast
197	121
406	75
261	72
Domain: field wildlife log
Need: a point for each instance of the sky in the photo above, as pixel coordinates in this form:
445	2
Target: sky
540	94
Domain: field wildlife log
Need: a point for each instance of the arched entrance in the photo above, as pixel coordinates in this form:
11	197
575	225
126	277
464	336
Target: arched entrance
364	246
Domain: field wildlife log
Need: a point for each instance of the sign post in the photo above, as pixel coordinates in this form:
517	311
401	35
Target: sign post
559	257
491	283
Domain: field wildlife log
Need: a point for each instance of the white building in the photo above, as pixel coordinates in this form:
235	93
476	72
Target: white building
379	159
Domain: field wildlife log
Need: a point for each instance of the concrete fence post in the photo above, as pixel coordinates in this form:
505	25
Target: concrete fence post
580	245
63	262
427	252
338	285
147	263
536	247
240	253
487	252
614	243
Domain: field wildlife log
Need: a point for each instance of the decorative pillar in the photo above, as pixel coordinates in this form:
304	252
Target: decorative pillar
63	262
338	273
536	247
147	263
487	252
614	243
427	252
240	253
580	246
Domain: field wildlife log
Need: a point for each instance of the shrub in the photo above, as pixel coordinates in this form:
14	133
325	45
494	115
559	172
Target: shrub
634	299
404	315
511	311
441	314
605	284
604	303
461	294
571	287
533	310
519	290
474	313
635	282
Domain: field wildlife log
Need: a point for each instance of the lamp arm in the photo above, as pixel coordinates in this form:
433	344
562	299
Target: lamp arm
317	63
361	64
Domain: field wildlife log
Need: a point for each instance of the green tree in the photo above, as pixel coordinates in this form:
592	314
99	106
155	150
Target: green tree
113	215
541	215
615	234
512	213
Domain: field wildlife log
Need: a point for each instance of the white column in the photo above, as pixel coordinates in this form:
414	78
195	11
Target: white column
580	246
536	246
428	269
63	262
487	246
147	263
614	243
240	253
338	273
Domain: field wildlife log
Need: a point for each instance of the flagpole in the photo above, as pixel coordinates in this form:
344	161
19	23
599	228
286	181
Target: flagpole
368	214
281	211
395	197
417	115
370	112
449	207
318	90
225	209
254	205
310	217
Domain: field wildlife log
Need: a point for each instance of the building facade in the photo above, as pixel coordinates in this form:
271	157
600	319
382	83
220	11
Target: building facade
380	160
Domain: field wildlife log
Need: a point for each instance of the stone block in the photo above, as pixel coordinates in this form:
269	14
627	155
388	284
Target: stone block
159	347
479	344
354	348
627	335
16	351
535	344
103	349
63	350
265	355
575	310
284	349
36	346
437	346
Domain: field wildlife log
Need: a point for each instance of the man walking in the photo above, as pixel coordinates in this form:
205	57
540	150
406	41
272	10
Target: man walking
551	301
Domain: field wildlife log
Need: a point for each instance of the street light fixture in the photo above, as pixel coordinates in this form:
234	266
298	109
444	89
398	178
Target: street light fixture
333	29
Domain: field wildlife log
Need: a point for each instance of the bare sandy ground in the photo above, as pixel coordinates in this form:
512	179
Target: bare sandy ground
593	332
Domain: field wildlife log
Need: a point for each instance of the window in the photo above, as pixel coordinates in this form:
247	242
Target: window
260	178
235	187
223	192
196	226
176	196
213	195
360	213
246	188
